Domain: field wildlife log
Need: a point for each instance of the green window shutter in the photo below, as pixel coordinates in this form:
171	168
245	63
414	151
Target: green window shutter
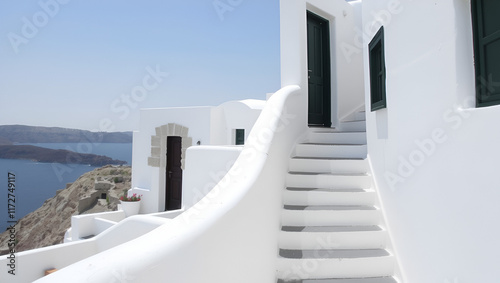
240	137
377	71
486	27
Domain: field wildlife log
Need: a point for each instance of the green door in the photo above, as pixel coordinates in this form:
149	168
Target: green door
486	21
318	61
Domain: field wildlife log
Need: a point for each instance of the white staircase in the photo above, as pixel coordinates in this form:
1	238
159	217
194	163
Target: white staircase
331	226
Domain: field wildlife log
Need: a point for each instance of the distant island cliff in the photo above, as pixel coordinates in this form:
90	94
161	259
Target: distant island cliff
32	134
40	154
12	134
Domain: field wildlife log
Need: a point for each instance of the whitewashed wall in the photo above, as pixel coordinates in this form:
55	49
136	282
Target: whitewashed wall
207	125
196	119
346	56
434	155
205	166
232	115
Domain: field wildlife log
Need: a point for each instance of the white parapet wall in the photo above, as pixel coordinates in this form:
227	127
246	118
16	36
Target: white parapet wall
31	265
231	234
89	225
205	167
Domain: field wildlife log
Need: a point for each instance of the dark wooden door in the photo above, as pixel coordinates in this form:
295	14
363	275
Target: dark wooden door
173	178
318	61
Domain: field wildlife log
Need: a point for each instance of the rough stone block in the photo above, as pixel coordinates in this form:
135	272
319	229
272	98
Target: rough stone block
178	130
103	186
155	141
187	142
164	130
171	129
184	132
154	161
155	151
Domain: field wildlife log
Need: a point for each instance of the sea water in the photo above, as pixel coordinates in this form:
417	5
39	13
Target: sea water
37	182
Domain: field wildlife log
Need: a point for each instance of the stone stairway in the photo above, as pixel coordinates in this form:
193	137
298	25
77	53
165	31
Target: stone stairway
331	223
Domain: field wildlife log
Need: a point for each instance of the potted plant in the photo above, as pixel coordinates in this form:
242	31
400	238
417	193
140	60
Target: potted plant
130	205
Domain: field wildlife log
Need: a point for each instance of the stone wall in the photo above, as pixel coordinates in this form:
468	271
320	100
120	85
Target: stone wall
159	143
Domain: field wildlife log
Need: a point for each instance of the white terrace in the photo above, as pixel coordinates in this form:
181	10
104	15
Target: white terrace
376	162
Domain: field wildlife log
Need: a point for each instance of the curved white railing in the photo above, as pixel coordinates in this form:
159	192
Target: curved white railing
30	265
228	236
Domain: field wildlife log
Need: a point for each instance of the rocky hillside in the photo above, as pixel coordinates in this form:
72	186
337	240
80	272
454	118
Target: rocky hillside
47	225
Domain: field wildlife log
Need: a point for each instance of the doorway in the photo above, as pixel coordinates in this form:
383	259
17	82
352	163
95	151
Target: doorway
319	79
173	174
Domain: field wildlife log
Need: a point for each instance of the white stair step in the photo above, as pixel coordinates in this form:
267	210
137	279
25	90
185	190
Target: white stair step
322	129
356	116
340	267
330	222
330	150
353	126
313	196
328	165
353	118
332	237
337	137
325	181
360	115
324	254
339	216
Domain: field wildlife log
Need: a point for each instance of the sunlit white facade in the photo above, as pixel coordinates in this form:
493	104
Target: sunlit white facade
425	168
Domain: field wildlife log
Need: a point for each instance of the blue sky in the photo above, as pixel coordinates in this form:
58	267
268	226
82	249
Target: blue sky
75	63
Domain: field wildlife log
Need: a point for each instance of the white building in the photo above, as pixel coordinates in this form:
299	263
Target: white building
312	197
209	134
